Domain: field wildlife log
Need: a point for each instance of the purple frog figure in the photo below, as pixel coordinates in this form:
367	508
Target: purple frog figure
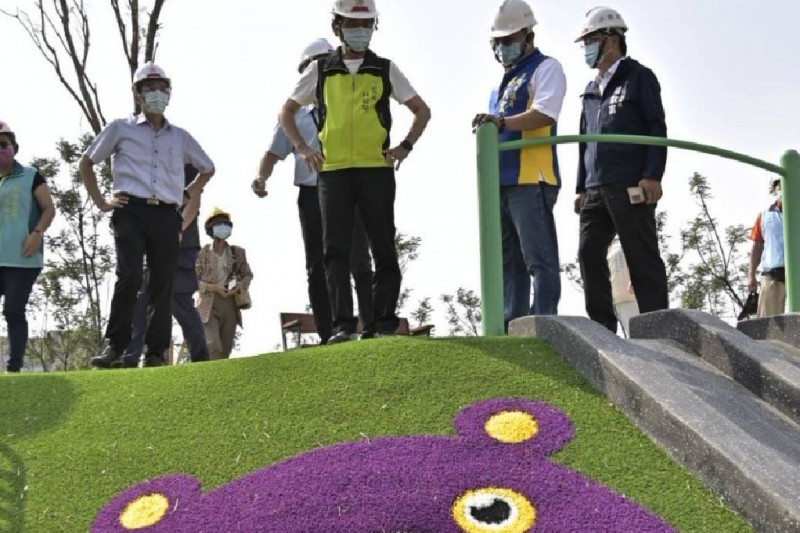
493	477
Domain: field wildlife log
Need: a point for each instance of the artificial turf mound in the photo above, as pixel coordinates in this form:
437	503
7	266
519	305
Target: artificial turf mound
72	442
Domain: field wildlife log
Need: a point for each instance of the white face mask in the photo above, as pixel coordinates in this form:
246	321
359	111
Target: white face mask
156	102
221	231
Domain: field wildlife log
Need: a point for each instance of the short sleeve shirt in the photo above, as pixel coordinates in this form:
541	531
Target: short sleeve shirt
305	91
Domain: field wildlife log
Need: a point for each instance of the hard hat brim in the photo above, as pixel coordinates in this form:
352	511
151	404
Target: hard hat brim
357	15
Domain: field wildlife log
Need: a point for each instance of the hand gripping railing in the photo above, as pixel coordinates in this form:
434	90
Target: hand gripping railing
489	208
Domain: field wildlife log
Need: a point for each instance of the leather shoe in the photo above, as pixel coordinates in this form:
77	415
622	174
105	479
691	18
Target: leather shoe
109	358
151	360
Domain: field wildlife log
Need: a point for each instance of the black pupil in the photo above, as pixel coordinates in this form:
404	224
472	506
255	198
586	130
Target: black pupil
497	513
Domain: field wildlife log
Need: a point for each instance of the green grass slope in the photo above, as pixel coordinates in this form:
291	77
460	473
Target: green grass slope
70	442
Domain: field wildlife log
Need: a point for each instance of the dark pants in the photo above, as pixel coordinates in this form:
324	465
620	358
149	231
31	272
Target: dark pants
140	231
183	309
16	285
360	263
372	192
606	212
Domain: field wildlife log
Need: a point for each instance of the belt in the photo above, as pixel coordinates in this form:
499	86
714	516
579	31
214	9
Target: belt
149	201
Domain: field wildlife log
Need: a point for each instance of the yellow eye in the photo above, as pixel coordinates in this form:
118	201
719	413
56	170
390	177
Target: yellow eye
512	427
144	511
494	510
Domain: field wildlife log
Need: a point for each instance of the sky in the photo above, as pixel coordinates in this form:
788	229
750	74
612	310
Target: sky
729	73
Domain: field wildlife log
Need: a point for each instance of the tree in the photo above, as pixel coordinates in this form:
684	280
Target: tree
407	252
71	283
61	31
463	312
708	272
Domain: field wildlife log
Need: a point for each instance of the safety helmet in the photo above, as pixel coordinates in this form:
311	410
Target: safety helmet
511	17
150	71
355	9
5	129
315	48
602	18
216	213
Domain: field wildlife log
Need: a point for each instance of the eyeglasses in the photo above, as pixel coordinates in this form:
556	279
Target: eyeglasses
4	144
505	41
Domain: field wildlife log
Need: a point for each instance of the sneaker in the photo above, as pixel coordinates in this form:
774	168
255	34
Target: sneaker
367	334
342	336
109	358
152	360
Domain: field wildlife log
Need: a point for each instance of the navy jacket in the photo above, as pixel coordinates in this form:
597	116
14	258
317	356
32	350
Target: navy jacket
631	104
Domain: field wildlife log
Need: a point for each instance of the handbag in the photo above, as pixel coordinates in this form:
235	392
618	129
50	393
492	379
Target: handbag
242	299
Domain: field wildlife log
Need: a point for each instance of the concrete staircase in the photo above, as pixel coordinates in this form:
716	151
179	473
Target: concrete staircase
723	403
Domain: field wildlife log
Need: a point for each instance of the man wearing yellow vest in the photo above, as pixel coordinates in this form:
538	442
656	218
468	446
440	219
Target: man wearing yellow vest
351	88
526	104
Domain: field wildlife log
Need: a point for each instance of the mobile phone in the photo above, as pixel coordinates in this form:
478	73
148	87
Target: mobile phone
636	195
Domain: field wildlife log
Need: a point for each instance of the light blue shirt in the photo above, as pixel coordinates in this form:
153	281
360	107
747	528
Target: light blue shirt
146	162
281	146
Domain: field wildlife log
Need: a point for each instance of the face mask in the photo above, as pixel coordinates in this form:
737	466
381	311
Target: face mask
7	155
509	53
591	53
221	231
156	102
357	39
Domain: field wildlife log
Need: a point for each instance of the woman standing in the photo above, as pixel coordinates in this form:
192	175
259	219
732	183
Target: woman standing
26	211
222	273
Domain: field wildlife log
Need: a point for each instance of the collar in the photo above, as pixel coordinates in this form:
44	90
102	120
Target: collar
610	72
142	119
16	169
778	206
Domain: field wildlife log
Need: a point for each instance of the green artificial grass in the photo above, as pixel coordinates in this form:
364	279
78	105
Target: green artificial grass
70	442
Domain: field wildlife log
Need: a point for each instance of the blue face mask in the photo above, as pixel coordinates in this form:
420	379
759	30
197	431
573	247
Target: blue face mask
357	39
221	231
591	53
509	53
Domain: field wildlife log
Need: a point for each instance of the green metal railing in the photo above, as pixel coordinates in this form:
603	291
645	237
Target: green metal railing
488	150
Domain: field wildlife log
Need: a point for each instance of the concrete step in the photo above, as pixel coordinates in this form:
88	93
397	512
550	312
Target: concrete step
784	328
768	372
742	448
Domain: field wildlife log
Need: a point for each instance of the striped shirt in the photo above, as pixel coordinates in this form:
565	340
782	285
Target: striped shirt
146	162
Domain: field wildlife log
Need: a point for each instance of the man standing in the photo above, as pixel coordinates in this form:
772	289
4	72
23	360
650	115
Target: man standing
351	88
311	217
619	185
767	256
148	155
526	104
183	308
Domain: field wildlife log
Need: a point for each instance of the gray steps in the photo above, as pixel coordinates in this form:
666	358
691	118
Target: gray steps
767	370
784	328
742	448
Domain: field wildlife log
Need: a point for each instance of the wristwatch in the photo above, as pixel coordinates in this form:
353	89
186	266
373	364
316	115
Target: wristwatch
406	145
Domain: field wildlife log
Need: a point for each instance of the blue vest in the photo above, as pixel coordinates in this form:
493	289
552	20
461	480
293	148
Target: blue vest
19	213
523	167
772	230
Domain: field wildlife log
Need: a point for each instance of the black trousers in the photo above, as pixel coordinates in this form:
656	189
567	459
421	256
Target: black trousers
371	191
140	231
606	212
360	263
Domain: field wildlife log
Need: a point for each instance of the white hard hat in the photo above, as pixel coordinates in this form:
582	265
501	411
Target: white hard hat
315	48
511	17
601	18
5	128
150	71
773	180
355	9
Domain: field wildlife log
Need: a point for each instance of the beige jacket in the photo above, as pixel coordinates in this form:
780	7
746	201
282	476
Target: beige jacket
206	268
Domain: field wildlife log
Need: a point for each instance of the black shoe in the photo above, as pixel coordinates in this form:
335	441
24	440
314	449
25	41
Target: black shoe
130	361
199	359
110	358
367	334
152	360
342	336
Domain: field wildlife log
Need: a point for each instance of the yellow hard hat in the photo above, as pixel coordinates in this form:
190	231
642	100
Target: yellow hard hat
216	213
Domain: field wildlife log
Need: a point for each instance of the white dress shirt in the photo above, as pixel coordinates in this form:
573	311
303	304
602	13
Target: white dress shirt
146	162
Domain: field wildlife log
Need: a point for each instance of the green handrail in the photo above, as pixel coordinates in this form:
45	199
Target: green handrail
489	207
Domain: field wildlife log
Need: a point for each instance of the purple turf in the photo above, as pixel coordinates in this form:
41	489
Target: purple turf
397	484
